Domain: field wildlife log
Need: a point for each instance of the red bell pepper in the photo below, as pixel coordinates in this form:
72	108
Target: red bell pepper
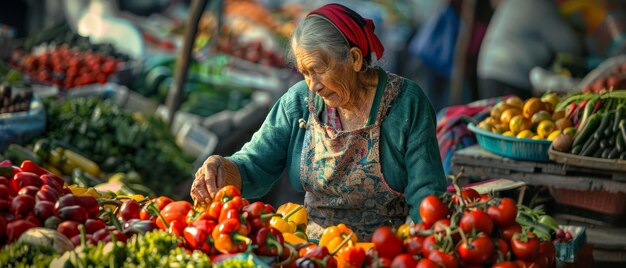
44	209
270	242
229	236
258	214
53	177
176	228
215	209
22	179
198	236
351	256
48	180
176	210
226	194
16	228
21	205
235	203
318	256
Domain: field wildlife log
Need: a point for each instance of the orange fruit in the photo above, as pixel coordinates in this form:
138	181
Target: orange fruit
508	114
485	125
563	123
508	133
498	129
553	135
551	98
497	110
545	127
519	123
514	101
531	106
525	134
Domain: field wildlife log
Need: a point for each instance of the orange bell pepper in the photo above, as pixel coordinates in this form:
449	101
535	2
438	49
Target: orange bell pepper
333	236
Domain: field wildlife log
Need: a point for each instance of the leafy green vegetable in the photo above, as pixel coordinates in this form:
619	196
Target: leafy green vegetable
24	255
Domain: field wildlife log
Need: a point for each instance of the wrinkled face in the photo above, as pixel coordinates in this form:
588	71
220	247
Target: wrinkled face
325	76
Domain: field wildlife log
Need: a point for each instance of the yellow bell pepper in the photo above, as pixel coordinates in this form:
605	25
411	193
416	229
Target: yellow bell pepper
333	236
282	225
294	213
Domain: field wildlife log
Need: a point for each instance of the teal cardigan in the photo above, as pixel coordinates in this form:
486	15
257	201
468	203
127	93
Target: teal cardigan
409	152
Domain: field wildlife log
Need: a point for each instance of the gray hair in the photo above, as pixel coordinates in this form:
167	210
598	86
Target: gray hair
317	33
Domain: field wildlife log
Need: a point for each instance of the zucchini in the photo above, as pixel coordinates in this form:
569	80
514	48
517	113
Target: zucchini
612	140
597	153
604	143
587	144
608	130
619	143
613	154
588	130
622	128
604	123
605	152
17	154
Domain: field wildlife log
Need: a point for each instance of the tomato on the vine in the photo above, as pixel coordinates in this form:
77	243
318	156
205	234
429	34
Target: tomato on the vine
430	244
468	195
446	260
525	246
504	213
404	260
478	220
476	250
505	264
426	263
501	249
547	248
386	242
413	244
508	232
433	209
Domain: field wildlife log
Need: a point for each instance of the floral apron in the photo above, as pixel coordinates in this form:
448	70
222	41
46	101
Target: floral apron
342	176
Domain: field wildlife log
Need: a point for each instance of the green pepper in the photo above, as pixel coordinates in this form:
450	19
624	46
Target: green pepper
548	221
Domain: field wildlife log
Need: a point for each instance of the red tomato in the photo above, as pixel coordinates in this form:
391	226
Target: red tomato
446	260
508	232
386	242
440	227
433	209
525	247
547	248
430	243
426	263
501	248
503	214
404	261
476	250
526	264
469	195
478	220
413	244
505	264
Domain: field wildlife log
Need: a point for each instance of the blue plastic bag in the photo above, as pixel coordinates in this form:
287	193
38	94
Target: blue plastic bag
435	42
20	127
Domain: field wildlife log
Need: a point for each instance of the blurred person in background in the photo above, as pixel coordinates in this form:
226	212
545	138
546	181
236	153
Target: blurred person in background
520	36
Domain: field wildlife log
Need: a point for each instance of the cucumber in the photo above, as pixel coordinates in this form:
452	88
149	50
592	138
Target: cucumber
577	149
605	152
622	128
17	154
587	144
604	123
620	113
597	153
590	128
604	143
608	130
613	154
619	143
592	148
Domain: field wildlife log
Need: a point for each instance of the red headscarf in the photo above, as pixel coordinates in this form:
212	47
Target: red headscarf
358	30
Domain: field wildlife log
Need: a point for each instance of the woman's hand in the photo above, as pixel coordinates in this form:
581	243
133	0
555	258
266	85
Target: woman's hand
215	173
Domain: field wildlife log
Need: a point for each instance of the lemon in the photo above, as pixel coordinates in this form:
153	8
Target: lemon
553	135
545	127
525	134
485	125
536	137
508	133
498	129
540	116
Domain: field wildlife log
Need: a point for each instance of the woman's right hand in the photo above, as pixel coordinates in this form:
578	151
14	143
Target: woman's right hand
209	179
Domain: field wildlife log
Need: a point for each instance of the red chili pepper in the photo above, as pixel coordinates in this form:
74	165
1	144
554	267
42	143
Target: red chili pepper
73	213
259	214
129	210
22	179
30	166
16	228
94	225
270	242
44	209
230	237
176	210
21	205
198	236
88	202
597	106
47	193
226	194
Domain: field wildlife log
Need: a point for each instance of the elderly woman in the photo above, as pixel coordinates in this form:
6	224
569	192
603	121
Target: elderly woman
358	140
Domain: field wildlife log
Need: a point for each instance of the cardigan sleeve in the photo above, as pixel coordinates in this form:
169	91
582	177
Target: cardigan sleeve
261	160
425	173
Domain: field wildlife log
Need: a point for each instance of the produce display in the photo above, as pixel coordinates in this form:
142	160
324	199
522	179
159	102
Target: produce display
601	122
616	79
534	118
11	102
117	141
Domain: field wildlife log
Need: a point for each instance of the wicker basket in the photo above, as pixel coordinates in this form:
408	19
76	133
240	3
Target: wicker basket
601	201
512	147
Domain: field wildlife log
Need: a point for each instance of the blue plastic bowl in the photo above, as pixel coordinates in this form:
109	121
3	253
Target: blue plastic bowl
512	147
